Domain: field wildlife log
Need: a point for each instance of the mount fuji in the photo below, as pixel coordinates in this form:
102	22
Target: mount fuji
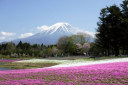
50	35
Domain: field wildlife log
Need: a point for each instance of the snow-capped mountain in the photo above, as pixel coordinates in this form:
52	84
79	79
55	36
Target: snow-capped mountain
50	35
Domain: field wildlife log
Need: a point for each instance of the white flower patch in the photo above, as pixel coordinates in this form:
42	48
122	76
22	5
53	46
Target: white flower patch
69	63
42	61
81	62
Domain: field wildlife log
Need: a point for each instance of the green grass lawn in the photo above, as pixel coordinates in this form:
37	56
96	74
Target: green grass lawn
70	58
64	58
85	58
20	65
110	57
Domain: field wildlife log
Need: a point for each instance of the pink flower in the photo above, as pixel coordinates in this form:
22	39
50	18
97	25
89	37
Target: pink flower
99	74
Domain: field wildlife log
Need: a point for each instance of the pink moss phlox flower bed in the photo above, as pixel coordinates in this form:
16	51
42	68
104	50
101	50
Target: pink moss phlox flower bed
99	74
8	60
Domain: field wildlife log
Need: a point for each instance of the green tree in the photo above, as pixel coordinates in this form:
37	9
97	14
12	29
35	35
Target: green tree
71	47
109	29
124	25
26	46
19	45
67	45
62	43
114	20
103	32
10	47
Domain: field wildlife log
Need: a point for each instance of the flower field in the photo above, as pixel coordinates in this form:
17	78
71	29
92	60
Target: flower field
99	74
8	60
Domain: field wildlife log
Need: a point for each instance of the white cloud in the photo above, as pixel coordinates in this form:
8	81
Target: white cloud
87	32
25	35
8	34
2	38
90	33
44	27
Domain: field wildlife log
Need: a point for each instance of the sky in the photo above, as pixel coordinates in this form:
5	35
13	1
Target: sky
21	18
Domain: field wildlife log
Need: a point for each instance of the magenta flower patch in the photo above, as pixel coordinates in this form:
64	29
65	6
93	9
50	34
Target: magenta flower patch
99	74
8	60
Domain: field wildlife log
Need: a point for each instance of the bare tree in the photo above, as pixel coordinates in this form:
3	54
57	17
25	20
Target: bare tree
85	35
78	39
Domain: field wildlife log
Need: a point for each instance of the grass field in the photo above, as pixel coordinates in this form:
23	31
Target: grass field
15	65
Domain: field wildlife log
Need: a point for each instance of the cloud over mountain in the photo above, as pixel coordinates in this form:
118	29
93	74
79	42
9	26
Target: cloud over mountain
42	28
25	35
7	34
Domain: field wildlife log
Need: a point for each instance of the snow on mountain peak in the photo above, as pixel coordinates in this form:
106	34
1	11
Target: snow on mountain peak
61	24
60	27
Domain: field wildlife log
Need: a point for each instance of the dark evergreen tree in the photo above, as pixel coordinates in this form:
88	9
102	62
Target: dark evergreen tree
108	36
20	45
114	21
124	26
103	35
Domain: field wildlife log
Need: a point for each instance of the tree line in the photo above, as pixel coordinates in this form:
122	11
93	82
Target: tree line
66	46
112	32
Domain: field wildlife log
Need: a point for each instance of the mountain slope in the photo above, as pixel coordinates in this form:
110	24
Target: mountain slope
49	36
52	34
